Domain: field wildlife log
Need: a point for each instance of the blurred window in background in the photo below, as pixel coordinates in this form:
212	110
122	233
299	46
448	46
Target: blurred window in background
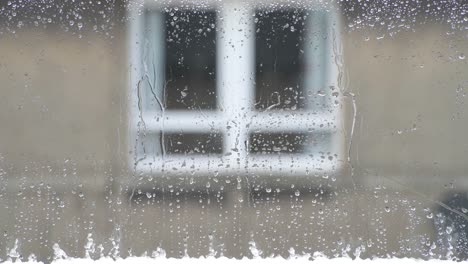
261	83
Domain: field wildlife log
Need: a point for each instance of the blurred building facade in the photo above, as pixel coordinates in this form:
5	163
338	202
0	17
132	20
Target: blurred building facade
64	149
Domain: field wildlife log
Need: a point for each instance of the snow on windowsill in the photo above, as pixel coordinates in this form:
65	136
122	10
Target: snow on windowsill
159	256
209	260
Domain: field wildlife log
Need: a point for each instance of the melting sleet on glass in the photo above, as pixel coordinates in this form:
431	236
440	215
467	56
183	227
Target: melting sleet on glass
221	130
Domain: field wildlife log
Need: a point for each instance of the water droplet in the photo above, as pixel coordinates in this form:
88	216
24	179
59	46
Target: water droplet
461	56
321	93
448	230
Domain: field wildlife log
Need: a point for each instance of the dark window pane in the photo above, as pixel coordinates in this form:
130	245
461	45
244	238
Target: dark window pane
193	143
279	56
190	59
268	143
271	143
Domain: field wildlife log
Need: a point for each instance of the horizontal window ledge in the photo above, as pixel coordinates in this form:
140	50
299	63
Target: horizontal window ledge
268	121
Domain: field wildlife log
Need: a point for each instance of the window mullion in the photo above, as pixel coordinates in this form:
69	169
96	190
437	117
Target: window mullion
235	84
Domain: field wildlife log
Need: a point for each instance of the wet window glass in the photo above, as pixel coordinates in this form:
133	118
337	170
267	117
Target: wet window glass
279	58
190	52
233	129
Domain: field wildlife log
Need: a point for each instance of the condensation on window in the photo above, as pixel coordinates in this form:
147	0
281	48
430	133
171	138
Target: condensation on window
233	128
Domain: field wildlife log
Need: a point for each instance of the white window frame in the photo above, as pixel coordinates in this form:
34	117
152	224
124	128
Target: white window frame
235	116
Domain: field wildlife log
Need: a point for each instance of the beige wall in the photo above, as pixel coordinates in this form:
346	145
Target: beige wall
62	98
412	110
